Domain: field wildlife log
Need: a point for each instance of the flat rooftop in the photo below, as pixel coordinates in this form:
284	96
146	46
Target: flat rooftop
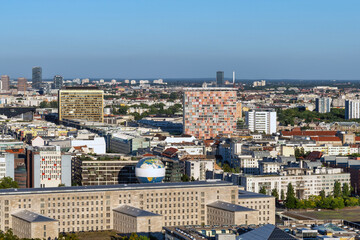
118	187
246	194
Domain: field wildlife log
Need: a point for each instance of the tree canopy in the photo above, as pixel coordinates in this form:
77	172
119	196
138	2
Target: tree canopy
8	182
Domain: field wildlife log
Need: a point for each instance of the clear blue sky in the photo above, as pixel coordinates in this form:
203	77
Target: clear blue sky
297	39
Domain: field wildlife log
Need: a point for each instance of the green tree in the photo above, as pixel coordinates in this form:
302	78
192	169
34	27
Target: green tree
299	152
346	190
351	202
322	194
337	189
291	200
226	167
44	104
282	194
275	194
8	235
185	178
262	190
54	104
337	203
7	182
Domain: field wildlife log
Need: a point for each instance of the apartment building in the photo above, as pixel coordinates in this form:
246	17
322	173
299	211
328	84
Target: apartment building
209	112
352	109
93	208
262	121
305	182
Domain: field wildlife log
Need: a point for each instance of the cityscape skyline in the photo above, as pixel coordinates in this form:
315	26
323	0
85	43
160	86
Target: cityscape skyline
258	39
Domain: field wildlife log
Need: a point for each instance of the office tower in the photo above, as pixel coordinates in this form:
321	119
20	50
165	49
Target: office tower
58	82
220	78
262	121
209	112
323	105
81	103
5	82
352	109
22	84
36	77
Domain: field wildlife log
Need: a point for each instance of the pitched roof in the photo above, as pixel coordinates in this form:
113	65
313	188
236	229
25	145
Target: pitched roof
326	139
229	207
134	212
266	232
32	217
308	133
20	150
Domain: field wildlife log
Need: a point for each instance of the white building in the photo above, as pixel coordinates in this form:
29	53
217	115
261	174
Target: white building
96	143
305	184
50	167
2	167
352	109
197	168
332	150
263	121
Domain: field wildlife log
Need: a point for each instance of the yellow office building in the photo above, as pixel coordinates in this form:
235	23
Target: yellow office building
83	103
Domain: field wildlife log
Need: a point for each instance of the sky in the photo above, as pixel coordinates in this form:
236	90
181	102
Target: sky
259	39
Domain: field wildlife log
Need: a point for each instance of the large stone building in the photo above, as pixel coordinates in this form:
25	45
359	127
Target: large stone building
209	112
81	103
93	208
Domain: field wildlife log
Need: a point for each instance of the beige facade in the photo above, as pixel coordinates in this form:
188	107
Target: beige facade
265	205
92	208
81	104
27	224
222	213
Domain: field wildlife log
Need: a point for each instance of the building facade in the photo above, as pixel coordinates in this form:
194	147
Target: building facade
220	78
92	208
352	109
22	84
36	77
209	112
84	103
58	82
5	82
47	167
304	185
323	105
262	121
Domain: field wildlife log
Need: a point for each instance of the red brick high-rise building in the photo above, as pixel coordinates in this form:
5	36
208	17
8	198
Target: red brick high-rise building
209	112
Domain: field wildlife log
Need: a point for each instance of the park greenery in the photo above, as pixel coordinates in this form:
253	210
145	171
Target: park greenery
340	198
8	182
295	115
46	104
154	109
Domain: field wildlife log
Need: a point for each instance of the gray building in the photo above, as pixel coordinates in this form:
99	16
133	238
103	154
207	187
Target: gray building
58	82
36	77
220	78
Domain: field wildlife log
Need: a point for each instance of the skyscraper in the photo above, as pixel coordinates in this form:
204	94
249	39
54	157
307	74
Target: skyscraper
58	82
5	82
84	103
209	112
220	78
22	84
323	105
36	77
352	109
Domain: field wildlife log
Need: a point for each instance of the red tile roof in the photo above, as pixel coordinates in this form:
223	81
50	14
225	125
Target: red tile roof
308	133
169	152
20	150
326	139
314	156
